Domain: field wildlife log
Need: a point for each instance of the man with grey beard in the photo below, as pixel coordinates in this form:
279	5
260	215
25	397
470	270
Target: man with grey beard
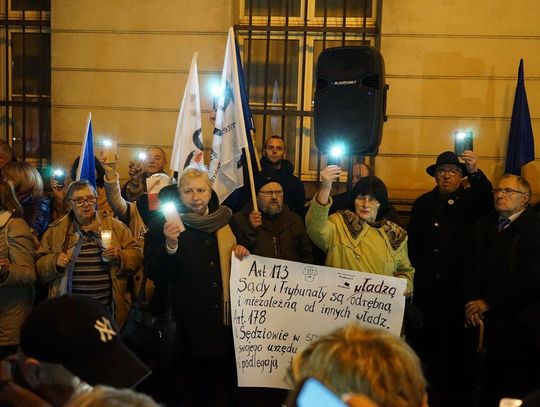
275	231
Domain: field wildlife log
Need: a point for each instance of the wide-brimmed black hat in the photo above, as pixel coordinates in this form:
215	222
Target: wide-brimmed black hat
447	158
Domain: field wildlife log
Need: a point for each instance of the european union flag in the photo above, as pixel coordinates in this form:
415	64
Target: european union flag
520	149
87	165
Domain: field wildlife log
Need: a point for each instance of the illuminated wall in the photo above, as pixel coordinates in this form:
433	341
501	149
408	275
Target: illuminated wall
450	64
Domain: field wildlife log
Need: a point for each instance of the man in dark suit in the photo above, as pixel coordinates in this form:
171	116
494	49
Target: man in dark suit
504	290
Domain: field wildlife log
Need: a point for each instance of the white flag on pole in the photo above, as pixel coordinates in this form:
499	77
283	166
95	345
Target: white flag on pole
188	146
230	131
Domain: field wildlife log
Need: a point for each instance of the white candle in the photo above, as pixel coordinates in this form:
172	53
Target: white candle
106	240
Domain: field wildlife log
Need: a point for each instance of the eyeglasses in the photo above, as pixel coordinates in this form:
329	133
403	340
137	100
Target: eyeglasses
371	201
268	194
446	171
506	191
81	201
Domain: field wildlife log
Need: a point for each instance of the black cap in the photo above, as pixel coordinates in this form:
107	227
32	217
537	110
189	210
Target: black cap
447	158
78	333
267	176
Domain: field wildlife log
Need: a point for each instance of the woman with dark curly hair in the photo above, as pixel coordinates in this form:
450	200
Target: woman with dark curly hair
362	238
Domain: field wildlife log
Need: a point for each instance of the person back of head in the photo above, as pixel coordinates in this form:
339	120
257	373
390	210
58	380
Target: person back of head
103	396
366	361
25	177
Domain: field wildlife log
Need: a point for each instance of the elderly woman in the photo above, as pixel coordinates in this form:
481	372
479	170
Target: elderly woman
17	270
28	185
83	253
371	362
193	257
361	238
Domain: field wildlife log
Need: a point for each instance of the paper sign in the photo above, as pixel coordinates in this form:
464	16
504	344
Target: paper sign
278	307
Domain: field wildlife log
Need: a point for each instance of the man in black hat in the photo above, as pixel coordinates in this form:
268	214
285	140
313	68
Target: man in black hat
439	231
68	344
273	231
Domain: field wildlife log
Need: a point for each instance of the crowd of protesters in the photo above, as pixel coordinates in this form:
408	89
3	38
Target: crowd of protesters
470	256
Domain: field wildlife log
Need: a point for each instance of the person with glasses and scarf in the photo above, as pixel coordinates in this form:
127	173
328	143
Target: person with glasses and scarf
363	237
85	254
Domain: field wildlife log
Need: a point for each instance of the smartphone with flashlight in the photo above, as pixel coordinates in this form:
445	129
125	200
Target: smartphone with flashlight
463	140
312	393
107	152
59	177
171	215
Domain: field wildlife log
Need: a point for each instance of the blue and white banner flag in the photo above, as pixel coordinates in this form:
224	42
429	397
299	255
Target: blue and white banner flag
230	131
87	165
188	145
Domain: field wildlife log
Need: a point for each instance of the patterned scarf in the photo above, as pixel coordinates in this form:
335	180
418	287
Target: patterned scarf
395	233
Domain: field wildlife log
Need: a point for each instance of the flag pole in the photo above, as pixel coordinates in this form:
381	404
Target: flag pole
252	134
251	178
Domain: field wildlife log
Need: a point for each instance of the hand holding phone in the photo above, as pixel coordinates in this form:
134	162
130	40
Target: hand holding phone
463	140
312	393
59	177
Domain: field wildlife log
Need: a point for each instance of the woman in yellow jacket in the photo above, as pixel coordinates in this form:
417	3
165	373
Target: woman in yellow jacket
361	238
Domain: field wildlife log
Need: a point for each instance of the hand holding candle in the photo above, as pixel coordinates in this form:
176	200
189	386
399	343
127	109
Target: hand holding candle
106	243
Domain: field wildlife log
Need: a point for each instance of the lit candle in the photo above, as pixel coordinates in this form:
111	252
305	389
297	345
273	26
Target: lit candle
106	240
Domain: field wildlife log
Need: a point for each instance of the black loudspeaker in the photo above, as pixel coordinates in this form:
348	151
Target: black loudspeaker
350	100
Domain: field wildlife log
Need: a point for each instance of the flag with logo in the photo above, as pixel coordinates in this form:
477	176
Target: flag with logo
520	149
188	145
229	137
87	166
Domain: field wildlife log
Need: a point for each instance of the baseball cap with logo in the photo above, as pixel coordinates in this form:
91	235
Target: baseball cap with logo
79	333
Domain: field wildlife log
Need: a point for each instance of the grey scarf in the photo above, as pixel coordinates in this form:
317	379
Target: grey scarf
208	223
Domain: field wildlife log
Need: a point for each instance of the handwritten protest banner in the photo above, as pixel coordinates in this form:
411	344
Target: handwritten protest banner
278	307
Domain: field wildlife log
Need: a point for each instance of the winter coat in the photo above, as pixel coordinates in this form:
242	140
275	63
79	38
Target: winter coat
199	274
37	213
505	272
17	291
52	244
439	231
282	236
379	249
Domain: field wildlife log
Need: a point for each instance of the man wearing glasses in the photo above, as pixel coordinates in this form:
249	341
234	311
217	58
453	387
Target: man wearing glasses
85	254
273	231
439	231
274	158
503	290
